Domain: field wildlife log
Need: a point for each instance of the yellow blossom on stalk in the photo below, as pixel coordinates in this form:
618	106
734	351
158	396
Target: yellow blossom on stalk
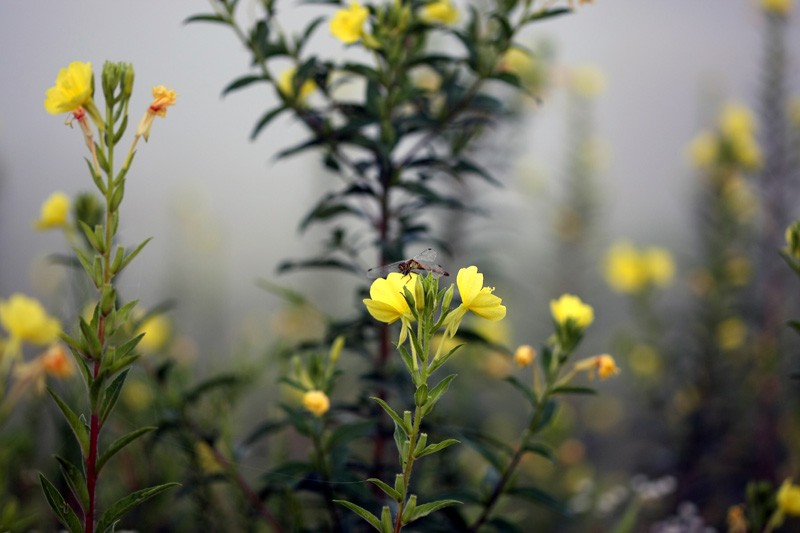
601	365
54	213
476	298
704	150
56	362
736	120
524	355
441	11
517	61
793	239
286	85
624	269
348	24
659	265
731	333
156	329
788	498
386	302
569	307
317	402
781	7
588	81
163	97
27	321
72	90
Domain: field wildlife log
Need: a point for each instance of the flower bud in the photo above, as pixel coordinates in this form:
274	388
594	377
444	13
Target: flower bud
127	79
317	402
524	355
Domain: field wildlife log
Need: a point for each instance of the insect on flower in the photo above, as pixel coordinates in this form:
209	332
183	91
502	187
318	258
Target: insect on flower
420	264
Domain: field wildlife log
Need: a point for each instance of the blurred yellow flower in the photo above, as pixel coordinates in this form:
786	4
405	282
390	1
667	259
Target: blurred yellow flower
602	365
517	61
476	298
731	333
27	321
56	362
54	213
206	458
137	395
524	355
746	151
156	329
569	307
286	85
73	89
496	364
737	523
624	269
317	402
703	150
588	81
347	24
794	110
163	98
644	360
793	238
738	271
737	120
739	199
386	302
788	498
441	11
782	7
659	265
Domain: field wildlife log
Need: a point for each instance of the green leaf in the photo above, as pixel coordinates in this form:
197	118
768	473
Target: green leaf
428	508
132	255
122	506
433	448
206	18
239	83
393	414
128	347
524	389
539	496
573	390
486	452
75	480
265	119
91	236
363	513
85	263
794	324
541	15
74	422
111	395
443	358
325	211
409	362
437	392
216	382
63	511
347	433
287	266
548	410
120	443
541	449
391	492
466	166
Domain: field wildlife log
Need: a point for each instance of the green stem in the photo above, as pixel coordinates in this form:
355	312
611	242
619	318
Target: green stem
412	443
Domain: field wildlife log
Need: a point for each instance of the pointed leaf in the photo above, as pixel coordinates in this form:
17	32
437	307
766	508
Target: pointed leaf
132	255
349	432
363	513
111	395
63	511
75	480
206	18
433	448
428	508
543	450
122	506
573	390
539	496
392	493
524	389
120	443
393	414
244	81
265	119
74	422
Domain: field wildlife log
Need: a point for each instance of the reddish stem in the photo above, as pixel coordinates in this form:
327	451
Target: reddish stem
91	463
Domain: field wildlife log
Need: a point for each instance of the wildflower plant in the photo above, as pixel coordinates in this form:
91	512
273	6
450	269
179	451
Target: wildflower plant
103	348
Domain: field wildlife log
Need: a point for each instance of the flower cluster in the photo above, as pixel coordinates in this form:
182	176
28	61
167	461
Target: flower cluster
631	270
732	143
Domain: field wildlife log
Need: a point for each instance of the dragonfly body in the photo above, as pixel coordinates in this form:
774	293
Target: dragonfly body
420	264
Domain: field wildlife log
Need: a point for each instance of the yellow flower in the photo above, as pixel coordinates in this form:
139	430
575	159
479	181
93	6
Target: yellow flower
56	362
476	298
54	212
602	365
26	320
137	395
524	355
788	498
73	89
781	7
588	81
746	151
659	265
207	459
704	150
386	302
156	329
570	307
625	271
731	333
441	11
163	97
644	360
317	402
737	120
793	238
286	85
347	24
738	271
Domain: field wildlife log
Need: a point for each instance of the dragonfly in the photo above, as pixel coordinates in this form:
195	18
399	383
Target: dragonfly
421	263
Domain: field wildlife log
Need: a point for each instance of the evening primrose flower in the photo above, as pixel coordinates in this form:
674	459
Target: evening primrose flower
601	365
348	24
386	302
476	298
27	321
571	308
588	81
56	362
156	329
624	269
793	239
736	120
731	333
659	265
286	86
704	150
54	212
524	355
440	11
781	7
317	402
72	90
788	498
163	97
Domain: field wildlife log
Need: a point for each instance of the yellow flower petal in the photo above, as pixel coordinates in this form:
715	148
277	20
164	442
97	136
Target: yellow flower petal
26	320
347	24
73	89
441	11
571	307
54	213
487	305
317	402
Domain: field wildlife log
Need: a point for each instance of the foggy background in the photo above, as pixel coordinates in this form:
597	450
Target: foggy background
224	213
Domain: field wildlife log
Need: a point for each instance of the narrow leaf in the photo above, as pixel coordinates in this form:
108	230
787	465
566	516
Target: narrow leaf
63	511
132	255
122	506
74	422
573	390
120	443
239	83
524	389
393	414
395	495
539	496
428	508
111	395
363	513
266	119
541	449
349	432
433	448
75	480
206	18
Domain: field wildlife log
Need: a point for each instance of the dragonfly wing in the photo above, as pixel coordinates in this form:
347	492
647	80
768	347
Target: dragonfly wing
383	271
426	256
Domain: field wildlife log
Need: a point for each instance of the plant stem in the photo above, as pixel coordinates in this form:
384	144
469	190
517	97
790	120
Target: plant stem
412	443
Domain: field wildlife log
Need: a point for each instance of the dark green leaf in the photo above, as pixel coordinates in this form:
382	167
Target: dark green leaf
573	390
75	480
287	266
325	211
120	443
524	389
74	422
206	18
433	448
349	432
265	119
486	452
63	511
539	496
428	508
393	414
363	513
392	493
122	506
308	31
466	166
541	15
111	395
216	382
128	347
541	449
241	82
